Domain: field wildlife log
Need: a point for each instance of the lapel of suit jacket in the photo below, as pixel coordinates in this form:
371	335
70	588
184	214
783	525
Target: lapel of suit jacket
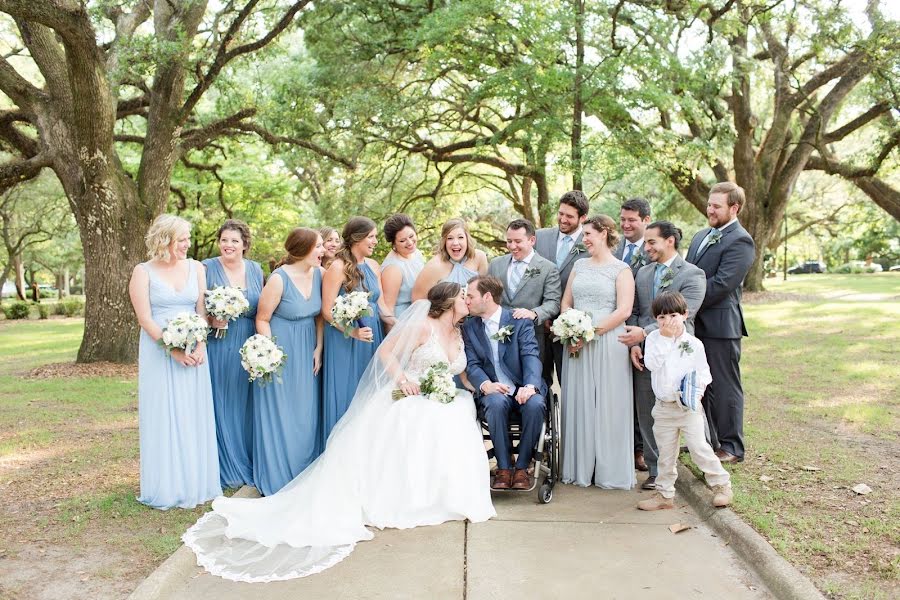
505	319
620	249
572	252
505	261
481	336
725	232
692	252
648	282
525	277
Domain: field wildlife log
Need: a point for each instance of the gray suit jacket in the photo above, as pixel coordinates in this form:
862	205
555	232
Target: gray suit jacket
725	263
638	259
545	245
689	280
539	289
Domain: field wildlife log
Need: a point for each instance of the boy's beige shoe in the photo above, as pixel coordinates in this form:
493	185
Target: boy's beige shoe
723	495
656	502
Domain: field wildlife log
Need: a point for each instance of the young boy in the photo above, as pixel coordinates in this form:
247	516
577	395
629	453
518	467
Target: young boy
679	375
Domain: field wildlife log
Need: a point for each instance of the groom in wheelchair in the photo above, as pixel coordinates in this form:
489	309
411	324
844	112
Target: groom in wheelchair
504	367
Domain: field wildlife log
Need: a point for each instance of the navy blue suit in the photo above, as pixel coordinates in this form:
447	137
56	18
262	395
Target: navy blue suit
522	363
719	324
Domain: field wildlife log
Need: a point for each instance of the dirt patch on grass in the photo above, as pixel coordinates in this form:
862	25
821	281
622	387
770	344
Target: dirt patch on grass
98	369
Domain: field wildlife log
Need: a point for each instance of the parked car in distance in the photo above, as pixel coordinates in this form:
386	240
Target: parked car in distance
9	289
859	266
894	268
810	266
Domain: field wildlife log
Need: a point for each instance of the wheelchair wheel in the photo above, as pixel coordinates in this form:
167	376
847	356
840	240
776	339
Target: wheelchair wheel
555	449
545	493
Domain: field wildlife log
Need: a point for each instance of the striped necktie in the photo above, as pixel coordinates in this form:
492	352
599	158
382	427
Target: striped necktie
515	276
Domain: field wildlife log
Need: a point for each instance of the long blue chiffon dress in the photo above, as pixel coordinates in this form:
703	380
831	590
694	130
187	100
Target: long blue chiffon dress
179	458
286	415
232	395
346	358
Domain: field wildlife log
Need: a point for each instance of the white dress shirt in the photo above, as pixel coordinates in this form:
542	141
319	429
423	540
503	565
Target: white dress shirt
669	363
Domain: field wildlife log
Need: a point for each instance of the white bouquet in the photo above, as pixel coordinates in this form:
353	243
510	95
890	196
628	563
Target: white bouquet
571	327
348	309
262	358
436	384
184	331
226	304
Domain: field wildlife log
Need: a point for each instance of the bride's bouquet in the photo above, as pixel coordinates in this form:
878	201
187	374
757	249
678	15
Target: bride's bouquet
183	332
436	384
571	327
226	304
348	309
262	358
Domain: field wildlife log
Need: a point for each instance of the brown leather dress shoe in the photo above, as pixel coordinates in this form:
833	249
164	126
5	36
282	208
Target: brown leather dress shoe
502	479
521	481
639	462
728	458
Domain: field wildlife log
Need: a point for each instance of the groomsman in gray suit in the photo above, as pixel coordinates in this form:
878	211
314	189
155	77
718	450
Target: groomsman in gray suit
725	252
531	282
562	246
668	272
634	215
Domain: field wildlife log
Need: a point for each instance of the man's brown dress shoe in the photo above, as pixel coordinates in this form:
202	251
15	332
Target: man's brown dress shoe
728	457
502	479
521	480
639	462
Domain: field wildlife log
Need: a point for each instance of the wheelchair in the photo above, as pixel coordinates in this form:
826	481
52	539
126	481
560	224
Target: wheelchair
546	454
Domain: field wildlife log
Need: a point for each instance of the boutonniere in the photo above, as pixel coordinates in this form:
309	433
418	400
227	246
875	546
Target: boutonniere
638	259
685	348
531	272
503	334
579	247
667	277
715	238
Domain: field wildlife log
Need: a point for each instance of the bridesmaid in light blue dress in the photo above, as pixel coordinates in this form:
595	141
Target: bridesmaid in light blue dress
597	403
232	396
179	458
286	415
347	357
456	260
402	265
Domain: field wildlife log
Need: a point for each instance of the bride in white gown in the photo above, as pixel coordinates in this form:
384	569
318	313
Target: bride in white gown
387	463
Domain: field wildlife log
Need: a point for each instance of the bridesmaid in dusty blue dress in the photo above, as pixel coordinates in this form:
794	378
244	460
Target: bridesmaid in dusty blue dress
179	459
456	260
347	358
286	415
232	396
402	265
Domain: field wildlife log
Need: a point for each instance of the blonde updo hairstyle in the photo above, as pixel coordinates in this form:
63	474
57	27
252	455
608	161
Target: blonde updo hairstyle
164	230
602	223
446	230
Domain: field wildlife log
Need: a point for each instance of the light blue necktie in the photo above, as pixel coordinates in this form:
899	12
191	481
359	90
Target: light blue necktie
627	258
515	276
657	278
564	247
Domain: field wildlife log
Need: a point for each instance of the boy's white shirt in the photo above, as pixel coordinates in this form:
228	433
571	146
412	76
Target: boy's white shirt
668	364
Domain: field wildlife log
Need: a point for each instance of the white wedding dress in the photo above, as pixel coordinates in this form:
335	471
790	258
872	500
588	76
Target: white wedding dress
388	463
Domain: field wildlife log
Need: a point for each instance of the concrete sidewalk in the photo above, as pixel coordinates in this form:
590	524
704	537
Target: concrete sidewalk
587	543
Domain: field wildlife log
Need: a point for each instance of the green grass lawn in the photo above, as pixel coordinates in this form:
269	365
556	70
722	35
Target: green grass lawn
69	474
821	373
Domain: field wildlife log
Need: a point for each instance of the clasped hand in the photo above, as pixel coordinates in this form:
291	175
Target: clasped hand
194	358
363	334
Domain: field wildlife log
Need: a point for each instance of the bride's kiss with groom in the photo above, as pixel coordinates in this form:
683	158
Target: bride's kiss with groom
397	463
